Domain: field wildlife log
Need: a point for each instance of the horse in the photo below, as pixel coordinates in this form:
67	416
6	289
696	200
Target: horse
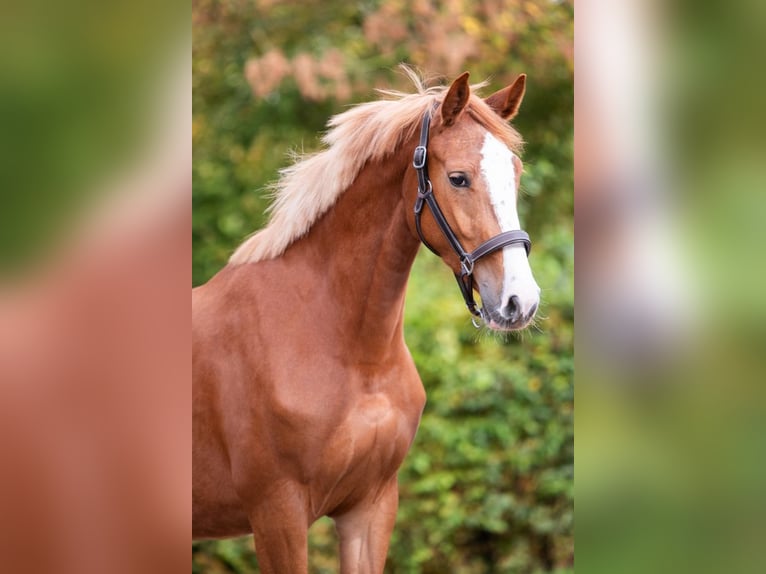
305	396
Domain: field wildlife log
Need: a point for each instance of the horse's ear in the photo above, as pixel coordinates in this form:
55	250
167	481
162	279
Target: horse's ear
506	102
456	99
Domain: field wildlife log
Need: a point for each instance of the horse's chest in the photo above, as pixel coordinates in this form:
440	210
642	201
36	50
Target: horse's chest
378	428
366	450
345	438
376	432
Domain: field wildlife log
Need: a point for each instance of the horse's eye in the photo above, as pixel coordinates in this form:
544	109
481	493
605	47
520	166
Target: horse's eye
459	180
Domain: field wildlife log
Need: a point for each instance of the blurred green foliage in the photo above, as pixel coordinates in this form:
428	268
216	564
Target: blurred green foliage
488	484
75	92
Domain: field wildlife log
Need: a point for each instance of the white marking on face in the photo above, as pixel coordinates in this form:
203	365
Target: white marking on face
498	171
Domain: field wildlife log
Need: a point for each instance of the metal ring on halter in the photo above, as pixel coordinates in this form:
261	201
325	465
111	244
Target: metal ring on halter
466	265
475	318
430	189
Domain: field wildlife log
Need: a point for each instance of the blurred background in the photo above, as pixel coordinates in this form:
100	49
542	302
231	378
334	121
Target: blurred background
488	484
95	212
670	204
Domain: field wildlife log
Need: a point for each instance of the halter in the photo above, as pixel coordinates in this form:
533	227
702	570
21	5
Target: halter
467	260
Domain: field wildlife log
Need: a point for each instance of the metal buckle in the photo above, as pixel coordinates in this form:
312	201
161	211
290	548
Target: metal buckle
419	158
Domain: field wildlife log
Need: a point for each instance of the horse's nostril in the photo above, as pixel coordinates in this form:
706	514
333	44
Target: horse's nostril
533	310
513	309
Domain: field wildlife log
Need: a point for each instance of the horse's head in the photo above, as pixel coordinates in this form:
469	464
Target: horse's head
475	177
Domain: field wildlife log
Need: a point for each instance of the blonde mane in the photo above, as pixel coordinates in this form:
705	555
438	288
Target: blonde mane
366	132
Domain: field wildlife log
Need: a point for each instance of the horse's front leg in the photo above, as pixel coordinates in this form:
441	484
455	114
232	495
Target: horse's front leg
365	532
280	528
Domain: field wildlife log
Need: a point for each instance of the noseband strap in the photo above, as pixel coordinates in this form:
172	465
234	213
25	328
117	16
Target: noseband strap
467	259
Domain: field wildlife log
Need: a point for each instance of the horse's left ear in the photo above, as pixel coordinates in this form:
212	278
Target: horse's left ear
456	99
506	102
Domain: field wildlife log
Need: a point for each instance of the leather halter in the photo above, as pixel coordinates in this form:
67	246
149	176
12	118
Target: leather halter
467	260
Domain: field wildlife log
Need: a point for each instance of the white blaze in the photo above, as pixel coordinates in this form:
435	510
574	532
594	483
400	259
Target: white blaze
498	171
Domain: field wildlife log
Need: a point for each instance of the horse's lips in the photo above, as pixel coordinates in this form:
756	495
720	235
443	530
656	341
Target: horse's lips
505	326
495	326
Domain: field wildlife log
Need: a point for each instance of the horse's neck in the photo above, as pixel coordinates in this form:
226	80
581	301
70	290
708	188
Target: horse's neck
363	251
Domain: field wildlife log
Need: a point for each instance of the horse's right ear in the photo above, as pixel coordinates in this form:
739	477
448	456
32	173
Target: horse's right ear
507	101
456	99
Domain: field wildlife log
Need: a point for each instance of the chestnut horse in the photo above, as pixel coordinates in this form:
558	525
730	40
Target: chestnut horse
306	399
